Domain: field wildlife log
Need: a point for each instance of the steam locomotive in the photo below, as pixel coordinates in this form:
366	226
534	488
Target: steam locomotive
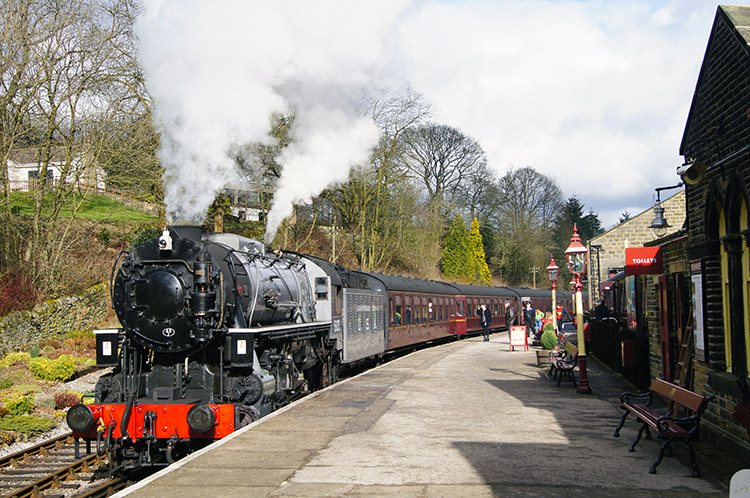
218	332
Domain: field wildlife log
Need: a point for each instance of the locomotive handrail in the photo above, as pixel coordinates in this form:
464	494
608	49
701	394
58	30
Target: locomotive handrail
163	261
153	341
112	278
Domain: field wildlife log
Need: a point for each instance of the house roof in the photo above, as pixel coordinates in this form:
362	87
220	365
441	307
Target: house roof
30	156
740	17
737	18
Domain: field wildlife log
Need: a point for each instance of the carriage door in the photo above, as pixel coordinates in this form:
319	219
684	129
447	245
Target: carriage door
459	318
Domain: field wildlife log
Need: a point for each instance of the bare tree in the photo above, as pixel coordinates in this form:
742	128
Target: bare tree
479	194
529	200
66	70
377	203
443	159
524	220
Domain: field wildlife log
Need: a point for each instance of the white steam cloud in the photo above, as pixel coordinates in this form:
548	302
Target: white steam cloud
218	70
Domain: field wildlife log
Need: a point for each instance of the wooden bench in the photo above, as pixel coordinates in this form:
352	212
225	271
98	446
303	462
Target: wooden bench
668	426
563	362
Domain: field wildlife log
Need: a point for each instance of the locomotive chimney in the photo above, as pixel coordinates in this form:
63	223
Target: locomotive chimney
192	232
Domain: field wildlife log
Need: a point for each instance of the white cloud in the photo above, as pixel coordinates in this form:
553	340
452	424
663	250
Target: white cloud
595	94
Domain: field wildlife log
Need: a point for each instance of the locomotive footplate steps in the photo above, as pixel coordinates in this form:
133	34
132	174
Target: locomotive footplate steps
464	419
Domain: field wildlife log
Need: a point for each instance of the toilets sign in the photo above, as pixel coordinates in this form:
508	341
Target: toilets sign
643	260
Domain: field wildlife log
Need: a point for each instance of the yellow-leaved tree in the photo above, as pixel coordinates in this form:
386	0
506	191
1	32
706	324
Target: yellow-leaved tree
476	249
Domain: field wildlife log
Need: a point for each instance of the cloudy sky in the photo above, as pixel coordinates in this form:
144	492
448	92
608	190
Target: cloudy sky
594	93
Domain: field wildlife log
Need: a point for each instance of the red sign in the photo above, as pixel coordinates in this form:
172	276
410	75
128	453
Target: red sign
643	260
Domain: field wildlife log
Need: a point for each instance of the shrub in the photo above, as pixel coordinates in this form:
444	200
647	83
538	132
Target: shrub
61	369
26	424
548	326
50	343
86	362
81	339
7	437
144	234
44	400
549	339
105	236
34	352
24	389
5	383
14	358
16	293
4	411
66	399
20	405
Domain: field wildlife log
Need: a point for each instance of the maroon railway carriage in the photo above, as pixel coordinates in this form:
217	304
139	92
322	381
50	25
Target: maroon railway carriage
420	311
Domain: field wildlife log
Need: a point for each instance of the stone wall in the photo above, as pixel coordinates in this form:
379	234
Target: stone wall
633	233
717	134
717	423
20	330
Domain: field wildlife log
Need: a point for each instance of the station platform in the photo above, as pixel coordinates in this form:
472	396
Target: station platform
463	419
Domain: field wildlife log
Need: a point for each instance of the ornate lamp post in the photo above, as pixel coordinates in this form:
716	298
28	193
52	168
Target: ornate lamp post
552	271
576	254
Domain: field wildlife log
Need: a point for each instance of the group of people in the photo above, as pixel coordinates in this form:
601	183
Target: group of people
534	319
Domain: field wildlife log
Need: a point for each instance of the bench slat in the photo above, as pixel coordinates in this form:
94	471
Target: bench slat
688	399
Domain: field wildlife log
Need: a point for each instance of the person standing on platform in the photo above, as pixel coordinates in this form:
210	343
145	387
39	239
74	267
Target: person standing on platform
510	315
485	319
539	317
529	316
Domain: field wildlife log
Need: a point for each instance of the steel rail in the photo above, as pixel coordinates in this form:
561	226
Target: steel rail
37	449
55	478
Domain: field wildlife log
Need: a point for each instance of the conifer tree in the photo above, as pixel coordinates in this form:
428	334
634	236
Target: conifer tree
456	257
481	272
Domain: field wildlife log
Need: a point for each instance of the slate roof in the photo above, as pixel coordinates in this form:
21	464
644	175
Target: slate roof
740	17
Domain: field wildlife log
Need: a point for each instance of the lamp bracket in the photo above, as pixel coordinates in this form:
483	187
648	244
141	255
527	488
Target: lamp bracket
659	189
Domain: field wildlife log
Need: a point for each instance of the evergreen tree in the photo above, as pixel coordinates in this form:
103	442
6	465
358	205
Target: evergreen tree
589	227
456	257
481	270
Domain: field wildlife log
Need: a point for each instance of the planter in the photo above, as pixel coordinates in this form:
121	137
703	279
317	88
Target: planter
542	357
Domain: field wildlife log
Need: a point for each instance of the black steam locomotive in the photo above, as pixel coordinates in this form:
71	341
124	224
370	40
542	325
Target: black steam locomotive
218	332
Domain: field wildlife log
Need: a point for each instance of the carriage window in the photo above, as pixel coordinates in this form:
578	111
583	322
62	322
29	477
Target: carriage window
398	314
407	318
321	288
460	308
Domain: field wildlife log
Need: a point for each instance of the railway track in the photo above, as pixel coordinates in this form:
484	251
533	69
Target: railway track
51	469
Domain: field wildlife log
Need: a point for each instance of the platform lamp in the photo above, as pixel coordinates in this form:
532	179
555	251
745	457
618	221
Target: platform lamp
576	254
572	285
660	224
552	271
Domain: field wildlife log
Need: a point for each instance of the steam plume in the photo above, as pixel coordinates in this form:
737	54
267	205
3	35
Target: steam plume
218	70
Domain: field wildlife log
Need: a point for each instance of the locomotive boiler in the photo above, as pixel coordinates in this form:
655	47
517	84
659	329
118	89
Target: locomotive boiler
215	334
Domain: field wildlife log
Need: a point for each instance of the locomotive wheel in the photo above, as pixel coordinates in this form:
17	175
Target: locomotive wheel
247	415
